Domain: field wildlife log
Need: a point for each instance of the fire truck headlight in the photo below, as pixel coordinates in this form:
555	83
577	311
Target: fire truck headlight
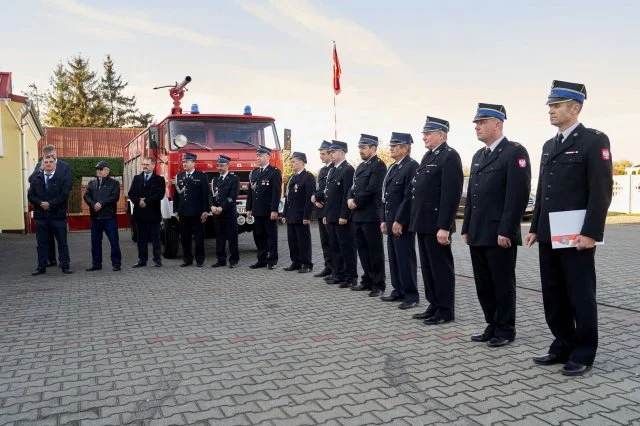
250	220
241	220
180	141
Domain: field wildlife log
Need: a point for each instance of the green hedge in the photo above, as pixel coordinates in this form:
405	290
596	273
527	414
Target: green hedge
81	167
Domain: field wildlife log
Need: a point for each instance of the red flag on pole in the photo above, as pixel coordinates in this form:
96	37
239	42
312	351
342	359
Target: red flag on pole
336	70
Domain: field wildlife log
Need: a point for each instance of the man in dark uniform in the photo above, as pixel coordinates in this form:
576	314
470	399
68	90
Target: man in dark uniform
337	218
575	174
262	204
401	248
146	192
497	195
318	200
191	207
365	203
224	193
297	214
435	196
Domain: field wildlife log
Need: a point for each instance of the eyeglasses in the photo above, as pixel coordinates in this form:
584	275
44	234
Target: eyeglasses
100	168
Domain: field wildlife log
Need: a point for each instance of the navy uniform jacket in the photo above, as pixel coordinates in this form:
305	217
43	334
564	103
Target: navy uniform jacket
153	192
576	177
298	204
57	194
224	193
62	167
108	196
435	192
497	195
366	190
321	184
264	196
397	191
336	193
191	196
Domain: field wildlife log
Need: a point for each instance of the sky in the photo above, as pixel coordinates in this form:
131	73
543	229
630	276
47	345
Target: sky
401	61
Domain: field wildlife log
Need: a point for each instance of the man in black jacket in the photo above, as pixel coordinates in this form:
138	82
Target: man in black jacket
365	203
318	201
575	174
102	197
49	194
146	192
497	195
435	195
191	207
297	214
224	193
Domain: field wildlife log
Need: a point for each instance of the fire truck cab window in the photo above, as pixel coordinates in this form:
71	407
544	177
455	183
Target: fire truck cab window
218	134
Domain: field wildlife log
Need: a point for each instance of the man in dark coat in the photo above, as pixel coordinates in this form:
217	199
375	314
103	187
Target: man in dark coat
191	207
262	204
394	223
224	193
575	174
102	197
297	214
497	195
435	196
49	195
318	200
146	192
365	203
337	217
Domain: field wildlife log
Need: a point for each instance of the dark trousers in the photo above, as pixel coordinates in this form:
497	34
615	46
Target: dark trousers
109	227
265	235
299	238
343	252
403	265
438	274
192	226
226	230
494	271
44	229
51	254
325	243
149	231
371	252
569	295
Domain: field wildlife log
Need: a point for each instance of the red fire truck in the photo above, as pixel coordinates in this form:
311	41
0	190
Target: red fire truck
207	136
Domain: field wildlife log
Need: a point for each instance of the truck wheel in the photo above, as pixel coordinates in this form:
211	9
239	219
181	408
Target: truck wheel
170	237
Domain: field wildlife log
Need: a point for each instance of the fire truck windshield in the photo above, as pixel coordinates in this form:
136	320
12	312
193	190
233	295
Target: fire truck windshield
222	134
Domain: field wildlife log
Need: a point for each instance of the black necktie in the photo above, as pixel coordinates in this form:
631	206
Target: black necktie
47	176
487	151
559	139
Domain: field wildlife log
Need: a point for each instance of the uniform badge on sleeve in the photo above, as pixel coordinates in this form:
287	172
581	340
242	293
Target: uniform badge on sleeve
522	162
606	155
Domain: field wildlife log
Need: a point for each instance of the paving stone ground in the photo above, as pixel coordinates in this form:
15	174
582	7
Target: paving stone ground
164	346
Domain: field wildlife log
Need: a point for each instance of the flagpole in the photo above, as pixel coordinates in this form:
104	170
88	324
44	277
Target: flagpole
335	119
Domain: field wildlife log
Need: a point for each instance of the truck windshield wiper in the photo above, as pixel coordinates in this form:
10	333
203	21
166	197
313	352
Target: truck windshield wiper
203	146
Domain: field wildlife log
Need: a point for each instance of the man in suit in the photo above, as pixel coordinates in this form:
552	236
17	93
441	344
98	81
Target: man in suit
224	193
64	172
337	218
365	203
191	207
435	195
575	174
146	192
497	195
318	200
297	214
394	223
102	197
262	204
49	195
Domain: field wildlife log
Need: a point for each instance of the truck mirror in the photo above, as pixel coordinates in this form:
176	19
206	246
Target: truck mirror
287	139
154	138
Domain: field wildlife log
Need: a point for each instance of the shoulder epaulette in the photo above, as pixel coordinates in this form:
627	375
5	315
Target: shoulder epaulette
597	132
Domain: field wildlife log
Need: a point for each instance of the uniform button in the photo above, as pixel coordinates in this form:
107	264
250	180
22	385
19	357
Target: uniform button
546	198
548	186
474	207
476	184
475	195
554	161
551	174
413	196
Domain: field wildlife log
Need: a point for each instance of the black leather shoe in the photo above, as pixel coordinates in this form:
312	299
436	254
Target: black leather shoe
52	263
185	264
158	264
324	273
218	265
292	267
258	265
436	320
334	280
408	305
497	342
345	285
233	265
391	298
423	315
272	267
330	278
376	293
139	265
549	359
116	268
575	369
93	268
482	337
39	271
360	287
67	270
305	269
199	265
